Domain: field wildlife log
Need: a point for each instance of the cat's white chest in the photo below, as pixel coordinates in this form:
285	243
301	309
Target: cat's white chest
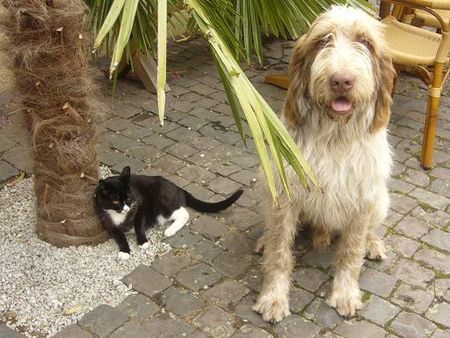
117	217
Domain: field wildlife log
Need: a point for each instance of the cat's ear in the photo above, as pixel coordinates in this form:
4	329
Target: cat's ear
125	174
101	183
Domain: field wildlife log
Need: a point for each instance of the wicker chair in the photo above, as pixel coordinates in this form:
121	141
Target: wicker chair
427	54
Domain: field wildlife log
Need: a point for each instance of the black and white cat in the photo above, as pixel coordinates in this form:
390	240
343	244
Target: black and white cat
126	201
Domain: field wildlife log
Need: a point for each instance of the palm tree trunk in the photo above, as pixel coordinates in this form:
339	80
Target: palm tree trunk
47	45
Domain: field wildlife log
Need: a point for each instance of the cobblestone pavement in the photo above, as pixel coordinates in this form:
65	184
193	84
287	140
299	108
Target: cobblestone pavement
206	285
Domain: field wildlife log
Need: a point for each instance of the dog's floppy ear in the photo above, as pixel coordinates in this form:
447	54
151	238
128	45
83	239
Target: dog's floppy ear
299	73
385	75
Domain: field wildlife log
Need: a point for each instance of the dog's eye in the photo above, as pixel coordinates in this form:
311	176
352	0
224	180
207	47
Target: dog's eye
365	43
322	43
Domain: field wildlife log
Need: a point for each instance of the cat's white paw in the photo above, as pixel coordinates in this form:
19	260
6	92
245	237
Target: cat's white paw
144	246
123	255
169	232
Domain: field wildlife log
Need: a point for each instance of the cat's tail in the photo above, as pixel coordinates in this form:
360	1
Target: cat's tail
201	206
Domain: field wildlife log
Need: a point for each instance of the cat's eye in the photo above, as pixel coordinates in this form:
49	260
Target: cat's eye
115	202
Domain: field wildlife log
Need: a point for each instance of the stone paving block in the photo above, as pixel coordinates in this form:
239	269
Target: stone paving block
377	282
181	302
440	187
400	186
440	172
198	276
441	333
164	326
103	320
206	251
442	288
298	299
146	280
438	239
253	278
19	157
117	124
412	227
181	151
172	262
196	174
137	132
308	278
230	264
401	203
216	322
71	331
434	259
379	310
392	218
7	171
242	218
158	140
322	314
131	329
413	298
250	331
440	313
7	143
136	165
386	265
145	153
226	293
138	306
438	218
238	243
356	328
319	259
224	168
293	324
6	332
169	164
430	198
112	158
193	122
243	176
203	143
183	239
209	227
223	185
402	245
411	325
412	273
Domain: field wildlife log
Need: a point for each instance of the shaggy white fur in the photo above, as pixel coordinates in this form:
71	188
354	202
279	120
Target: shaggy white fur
337	109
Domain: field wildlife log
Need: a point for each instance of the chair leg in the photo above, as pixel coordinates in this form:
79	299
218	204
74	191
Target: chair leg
430	132
434	96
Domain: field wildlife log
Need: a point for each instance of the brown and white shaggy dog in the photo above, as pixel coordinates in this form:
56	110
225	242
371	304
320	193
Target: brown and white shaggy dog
337	109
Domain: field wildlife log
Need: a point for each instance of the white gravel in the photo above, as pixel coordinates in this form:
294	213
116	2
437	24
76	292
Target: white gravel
45	288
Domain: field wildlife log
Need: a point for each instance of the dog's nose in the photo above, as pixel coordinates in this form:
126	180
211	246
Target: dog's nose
342	81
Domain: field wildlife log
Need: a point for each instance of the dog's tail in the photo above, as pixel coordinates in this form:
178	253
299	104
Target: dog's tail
201	206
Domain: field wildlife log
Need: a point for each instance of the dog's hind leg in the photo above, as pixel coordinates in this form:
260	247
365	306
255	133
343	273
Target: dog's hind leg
278	262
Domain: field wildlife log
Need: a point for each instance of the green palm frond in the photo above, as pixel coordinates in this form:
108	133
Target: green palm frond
234	29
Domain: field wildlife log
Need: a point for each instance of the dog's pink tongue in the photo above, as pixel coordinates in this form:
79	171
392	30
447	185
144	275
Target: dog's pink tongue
341	105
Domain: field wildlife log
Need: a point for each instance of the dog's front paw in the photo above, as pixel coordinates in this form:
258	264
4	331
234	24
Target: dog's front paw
123	255
272	307
346	301
144	245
